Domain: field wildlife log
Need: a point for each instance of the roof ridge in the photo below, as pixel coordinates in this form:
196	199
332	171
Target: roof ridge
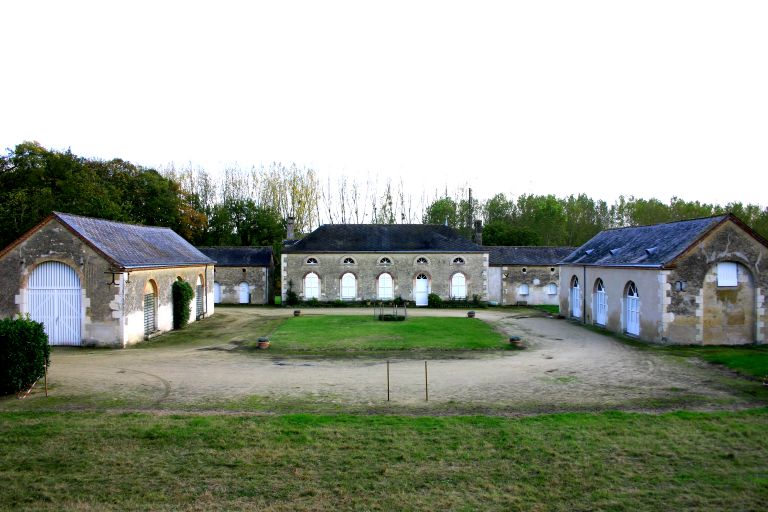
59	214
668	222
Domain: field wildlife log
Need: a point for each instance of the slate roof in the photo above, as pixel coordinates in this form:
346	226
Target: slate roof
642	246
239	256
133	246
383	238
526	255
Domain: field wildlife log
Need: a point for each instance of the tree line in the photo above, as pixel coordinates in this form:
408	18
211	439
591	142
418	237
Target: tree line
248	207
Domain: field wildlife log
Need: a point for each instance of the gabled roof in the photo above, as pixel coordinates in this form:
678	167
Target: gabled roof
526	255
239	256
130	246
383	238
654	246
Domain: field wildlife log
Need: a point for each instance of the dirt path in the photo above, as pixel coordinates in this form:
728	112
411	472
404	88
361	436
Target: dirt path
565	367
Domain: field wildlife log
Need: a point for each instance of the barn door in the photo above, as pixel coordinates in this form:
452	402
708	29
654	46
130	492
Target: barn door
244	295
150	322
421	290
633	310
199	297
55	301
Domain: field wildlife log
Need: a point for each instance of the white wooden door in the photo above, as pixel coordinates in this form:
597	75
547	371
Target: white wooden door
601	304
55	301
575	299
421	290
244	292
633	310
217	293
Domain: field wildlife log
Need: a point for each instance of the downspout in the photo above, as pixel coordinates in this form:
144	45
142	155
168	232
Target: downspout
205	292
584	296
122	309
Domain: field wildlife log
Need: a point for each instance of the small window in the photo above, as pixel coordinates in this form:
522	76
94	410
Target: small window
523	290
458	261
385	261
551	289
727	274
311	261
422	261
525	270
348	261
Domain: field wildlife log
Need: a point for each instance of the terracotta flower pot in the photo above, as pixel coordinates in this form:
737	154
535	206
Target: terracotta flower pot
263	343
296	312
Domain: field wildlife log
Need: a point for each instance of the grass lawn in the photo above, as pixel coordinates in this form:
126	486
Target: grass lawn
750	360
364	333
609	461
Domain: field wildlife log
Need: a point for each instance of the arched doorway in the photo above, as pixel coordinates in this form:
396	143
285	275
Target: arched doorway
575	298
55	300
199	298
311	286
632	309
600	303
729	305
385	288
216	293
458	286
421	290
150	307
348	286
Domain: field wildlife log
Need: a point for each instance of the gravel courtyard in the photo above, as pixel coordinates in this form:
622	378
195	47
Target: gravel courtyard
564	367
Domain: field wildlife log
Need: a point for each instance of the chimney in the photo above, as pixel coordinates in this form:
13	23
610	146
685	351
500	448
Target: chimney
289	228
477	236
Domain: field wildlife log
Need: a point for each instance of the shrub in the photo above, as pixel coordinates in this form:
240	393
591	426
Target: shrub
24	353
399	301
182	297
291	298
434	300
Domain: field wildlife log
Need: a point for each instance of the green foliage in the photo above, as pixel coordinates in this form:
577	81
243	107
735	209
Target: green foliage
24	353
434	300
182	295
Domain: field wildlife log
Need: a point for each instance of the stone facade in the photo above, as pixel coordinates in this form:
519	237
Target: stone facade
403	267
682	303
229	280
112	302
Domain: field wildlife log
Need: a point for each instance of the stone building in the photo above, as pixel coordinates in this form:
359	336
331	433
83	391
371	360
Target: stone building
243	275
98	282
524	275
358	262
700	281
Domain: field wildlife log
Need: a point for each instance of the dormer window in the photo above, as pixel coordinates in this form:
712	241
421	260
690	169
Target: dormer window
589	251
311	261
614	252
348	261
385	261
422	261
651	251
458	261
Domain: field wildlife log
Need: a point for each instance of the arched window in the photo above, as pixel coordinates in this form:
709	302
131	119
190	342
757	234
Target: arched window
150	307
216	293
311	286
311	261
244	293
421	290
632	309
385	288
348	282
421	261
575	298
727	274
348	261
459	286
600	303
551	289
385	261
522	289
458	261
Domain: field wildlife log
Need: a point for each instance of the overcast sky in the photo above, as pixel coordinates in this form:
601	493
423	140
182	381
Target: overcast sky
643	98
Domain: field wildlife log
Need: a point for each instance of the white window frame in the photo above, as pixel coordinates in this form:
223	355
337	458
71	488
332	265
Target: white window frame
313	291
348	261
458	286
312	261
523	290
727	274
348	286
552	289
385	287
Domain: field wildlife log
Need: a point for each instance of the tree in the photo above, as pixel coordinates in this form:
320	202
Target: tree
442	211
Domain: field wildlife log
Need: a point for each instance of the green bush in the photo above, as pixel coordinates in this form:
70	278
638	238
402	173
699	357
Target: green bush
291	298
24	353
434	300
182	297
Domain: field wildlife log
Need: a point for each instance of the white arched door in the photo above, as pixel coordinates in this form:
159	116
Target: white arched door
311	286
55	301
385	291
421	290
244	293
575	298
348	286
601	303
458	286
633	310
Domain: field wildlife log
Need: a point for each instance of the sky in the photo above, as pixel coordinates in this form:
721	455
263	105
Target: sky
649	99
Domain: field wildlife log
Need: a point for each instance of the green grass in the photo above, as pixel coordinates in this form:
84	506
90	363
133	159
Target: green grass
609	461
750	360
551	309
320	334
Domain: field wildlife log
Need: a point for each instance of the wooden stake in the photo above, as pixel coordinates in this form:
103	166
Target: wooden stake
45	368
387	380
426	383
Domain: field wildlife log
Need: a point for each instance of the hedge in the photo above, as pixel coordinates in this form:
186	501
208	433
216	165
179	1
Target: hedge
182	297
24	353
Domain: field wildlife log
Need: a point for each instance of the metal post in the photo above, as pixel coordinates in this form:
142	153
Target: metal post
426	383
387	380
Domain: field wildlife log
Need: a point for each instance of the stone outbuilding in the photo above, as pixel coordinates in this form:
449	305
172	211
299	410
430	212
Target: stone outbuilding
361	262
243	275
98	282
700	281
525	275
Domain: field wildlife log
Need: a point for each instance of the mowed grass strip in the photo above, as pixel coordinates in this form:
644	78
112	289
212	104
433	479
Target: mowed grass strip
365	333
609	461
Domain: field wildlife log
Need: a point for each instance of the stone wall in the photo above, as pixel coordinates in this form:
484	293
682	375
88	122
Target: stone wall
258	279
403	268
537	278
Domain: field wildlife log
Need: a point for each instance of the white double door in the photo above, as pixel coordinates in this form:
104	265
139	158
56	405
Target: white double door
55	300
